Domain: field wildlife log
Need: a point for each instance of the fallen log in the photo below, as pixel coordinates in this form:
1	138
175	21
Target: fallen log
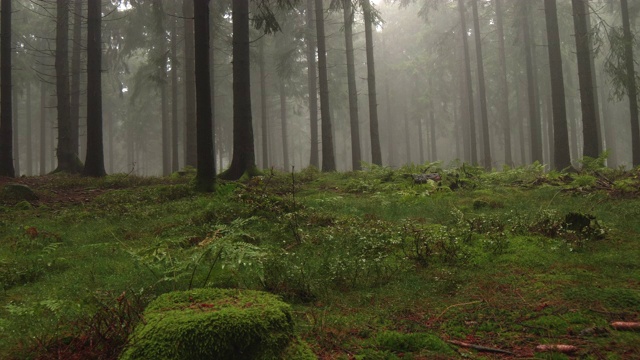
625	325
561	348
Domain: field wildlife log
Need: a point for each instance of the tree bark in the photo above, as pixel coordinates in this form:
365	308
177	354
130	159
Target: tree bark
206	169
243	160
66	153
189	86
29	131
312	84
503	104
283	119
432	132
631	85
174	94
43	128
482	93
264	121
354	119
94	164
562	157
376	153
587	99
328	157
6	125
75	75
16	131
469	85
534	110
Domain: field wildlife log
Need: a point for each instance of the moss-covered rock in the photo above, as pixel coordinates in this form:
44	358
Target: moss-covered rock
213	324
18	192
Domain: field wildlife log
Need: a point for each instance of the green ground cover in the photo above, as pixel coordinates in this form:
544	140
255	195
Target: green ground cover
374	265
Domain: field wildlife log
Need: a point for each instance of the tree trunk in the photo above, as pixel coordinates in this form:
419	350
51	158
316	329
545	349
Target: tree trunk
109	128
482	93
43	128
312	84
390	135
67	155
407	134
264	121
503	105
29	131
328	157
75	75
16	131
6	126
356	156
244	160
631	85
432	132
587	99
189	86
376	153
534	110
174	94
206	169
562	157
94	164
469	85
596	97
161	80
283	118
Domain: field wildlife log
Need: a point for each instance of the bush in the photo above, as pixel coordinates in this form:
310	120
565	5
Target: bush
213	324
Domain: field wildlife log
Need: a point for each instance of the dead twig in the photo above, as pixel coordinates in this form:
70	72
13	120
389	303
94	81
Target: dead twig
479	347
456	305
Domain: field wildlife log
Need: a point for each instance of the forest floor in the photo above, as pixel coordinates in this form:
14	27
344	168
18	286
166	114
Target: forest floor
474	265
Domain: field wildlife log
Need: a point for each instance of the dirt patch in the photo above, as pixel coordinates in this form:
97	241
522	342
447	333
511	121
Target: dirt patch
51	192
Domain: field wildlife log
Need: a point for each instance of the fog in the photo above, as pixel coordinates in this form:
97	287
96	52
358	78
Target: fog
422	96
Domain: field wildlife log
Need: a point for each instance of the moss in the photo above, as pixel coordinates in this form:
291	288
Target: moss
213	324
18	192
298	350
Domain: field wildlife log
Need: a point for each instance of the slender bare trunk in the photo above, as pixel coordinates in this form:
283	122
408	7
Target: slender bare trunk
75	75
6	126
534	110
631	86
376	153
189	86
174	94
328	157
206	173
469	84
312	83
94	164
356	157
283	119
43	128
504	86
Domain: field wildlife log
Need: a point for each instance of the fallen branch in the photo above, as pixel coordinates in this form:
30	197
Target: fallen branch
565	349
479	347
625	326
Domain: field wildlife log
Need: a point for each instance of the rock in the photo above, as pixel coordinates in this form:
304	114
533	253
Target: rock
18	192
216	324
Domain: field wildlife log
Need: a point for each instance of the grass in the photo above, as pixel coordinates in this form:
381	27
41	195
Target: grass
376	267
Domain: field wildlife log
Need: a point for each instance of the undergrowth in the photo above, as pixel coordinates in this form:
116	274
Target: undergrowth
377	265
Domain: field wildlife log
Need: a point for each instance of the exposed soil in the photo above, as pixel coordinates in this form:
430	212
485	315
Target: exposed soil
51	193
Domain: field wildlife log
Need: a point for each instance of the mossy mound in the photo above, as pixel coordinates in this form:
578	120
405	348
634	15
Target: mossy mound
213	324
17	193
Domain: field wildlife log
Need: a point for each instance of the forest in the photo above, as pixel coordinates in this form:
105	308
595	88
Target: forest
319	179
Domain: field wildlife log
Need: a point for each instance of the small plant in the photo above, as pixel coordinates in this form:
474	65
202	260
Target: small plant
101	335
